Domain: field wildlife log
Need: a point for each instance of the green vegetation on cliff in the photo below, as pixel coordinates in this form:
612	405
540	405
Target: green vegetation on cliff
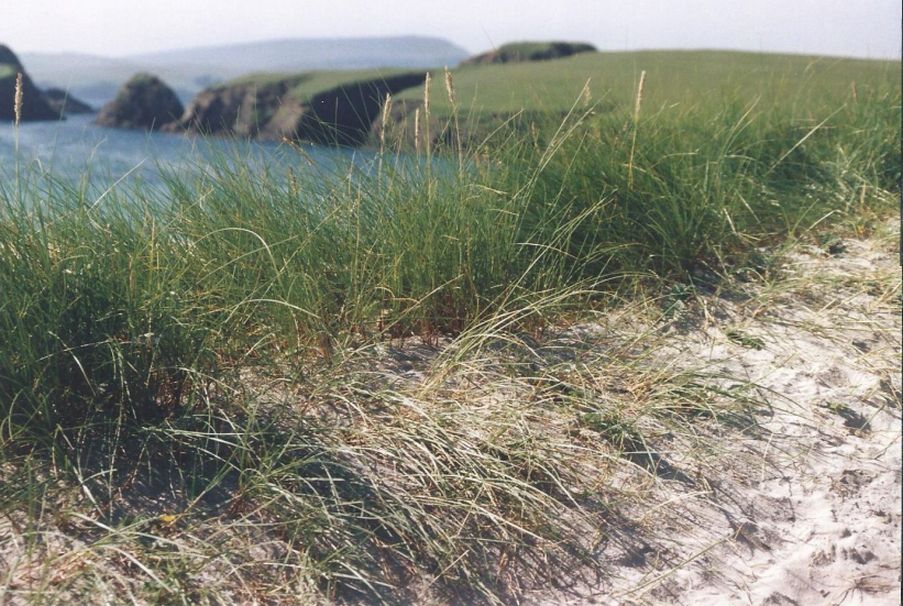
306	85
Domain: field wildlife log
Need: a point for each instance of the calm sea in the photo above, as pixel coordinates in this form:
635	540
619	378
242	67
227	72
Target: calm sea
77	149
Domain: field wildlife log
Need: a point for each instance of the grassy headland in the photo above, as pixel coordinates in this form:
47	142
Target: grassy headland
677	81
221	339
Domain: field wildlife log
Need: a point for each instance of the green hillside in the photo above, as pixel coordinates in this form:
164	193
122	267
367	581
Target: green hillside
681	78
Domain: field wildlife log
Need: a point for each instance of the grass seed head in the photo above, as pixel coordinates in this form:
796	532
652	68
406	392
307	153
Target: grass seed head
417	130
387	109
586	95
17	99
639	96
450	88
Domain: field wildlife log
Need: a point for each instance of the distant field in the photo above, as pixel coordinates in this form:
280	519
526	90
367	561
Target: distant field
681	79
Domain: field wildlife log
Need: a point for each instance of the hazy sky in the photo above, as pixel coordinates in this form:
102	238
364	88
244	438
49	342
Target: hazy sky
866	28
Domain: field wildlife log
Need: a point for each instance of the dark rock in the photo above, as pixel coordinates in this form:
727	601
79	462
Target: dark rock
520	52
247	109
34	105
64	104
343	115
145	102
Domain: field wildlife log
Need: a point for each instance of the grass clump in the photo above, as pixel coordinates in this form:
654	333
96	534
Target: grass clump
94	318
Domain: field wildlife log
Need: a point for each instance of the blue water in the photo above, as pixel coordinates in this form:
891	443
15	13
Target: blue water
77	149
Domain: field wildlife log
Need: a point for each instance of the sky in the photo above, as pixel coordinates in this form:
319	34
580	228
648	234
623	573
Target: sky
862	28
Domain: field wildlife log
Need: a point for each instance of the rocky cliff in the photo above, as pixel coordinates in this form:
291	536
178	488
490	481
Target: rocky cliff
256	109
34	105
145	102
519	52
292	107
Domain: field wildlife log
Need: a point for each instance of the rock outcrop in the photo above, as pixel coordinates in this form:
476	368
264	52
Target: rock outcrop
274	109
520	52
34	105
145	102
344	115
64	104
252	109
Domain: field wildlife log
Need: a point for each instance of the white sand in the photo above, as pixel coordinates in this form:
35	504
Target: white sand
808	513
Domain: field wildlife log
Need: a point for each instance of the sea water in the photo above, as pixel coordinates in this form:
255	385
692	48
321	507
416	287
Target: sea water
77	149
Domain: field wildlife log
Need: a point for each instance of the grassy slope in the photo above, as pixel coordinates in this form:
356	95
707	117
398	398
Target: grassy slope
684	78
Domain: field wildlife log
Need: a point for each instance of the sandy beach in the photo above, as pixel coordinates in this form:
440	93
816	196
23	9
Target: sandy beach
807	510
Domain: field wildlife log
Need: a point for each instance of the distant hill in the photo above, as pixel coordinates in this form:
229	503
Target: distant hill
315	53
96	79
